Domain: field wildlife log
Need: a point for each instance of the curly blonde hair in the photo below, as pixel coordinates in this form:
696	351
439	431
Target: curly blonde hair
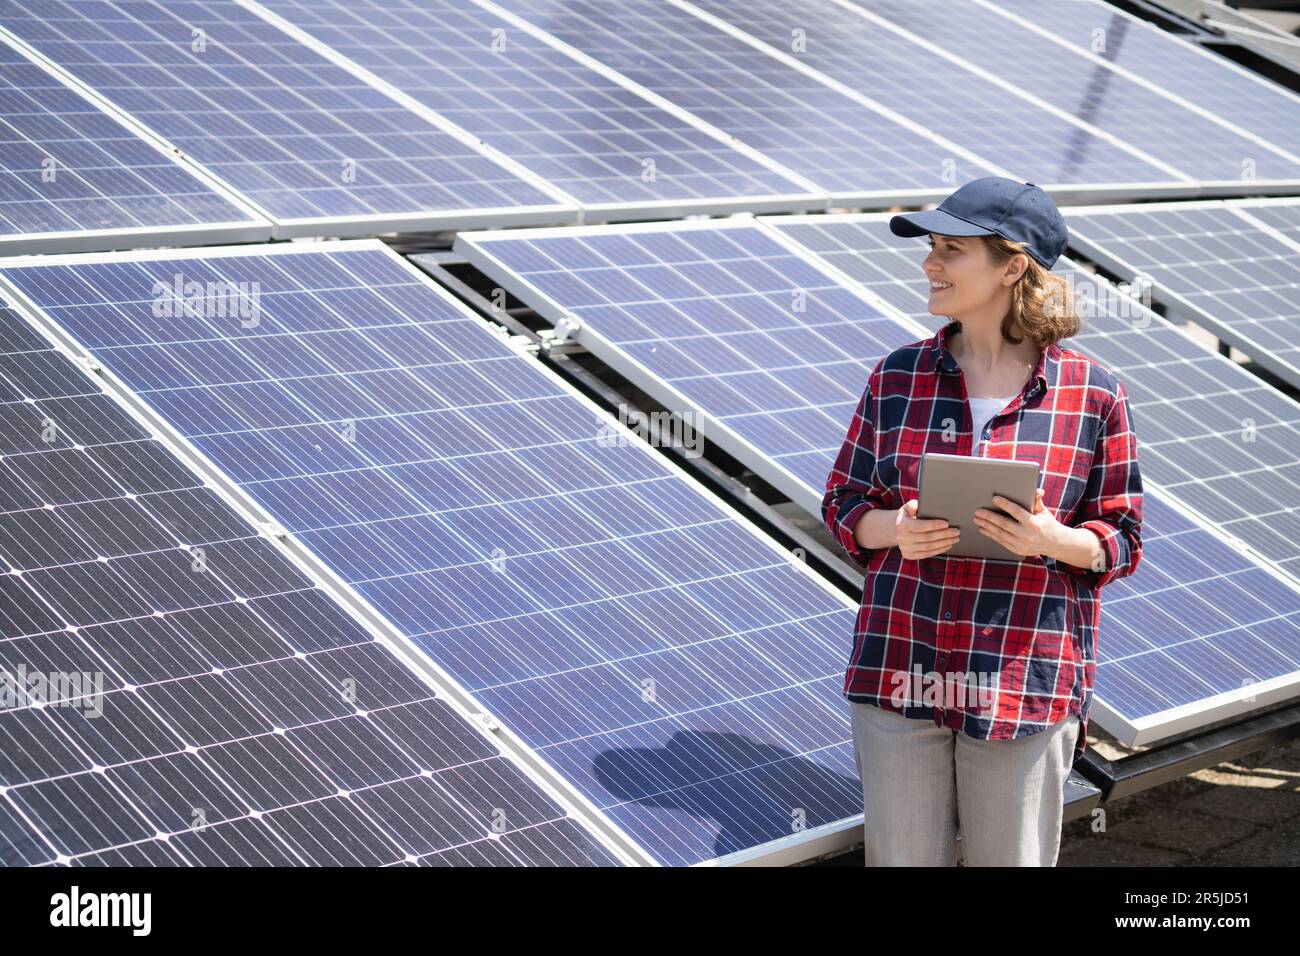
1042	303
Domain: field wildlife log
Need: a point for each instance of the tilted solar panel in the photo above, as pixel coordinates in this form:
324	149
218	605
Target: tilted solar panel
680	670
1190	70
718	318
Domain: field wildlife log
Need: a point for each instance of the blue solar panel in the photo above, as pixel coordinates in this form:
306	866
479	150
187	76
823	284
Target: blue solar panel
843	146
1189	70
196	705
679	669
559	118
1028	141
1108	100
295	134
719	320
67	168
1213	265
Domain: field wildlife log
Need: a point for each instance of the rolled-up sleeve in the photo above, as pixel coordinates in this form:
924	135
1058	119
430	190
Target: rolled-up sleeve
1111	507
853	487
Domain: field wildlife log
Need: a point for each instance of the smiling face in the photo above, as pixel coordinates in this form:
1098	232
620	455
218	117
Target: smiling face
964	280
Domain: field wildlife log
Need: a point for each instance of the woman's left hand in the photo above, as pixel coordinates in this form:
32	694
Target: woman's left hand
1026	533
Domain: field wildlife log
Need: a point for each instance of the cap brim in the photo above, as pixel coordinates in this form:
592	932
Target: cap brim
914	224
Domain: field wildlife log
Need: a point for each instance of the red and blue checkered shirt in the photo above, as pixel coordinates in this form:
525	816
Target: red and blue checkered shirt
996	649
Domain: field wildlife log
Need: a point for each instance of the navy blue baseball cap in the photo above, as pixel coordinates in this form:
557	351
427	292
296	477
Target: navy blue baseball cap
1020	212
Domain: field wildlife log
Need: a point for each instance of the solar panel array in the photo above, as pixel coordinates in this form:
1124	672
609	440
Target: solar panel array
640	296
1195	142
177	691
303	139
573	126
680	670
1218	265
69	173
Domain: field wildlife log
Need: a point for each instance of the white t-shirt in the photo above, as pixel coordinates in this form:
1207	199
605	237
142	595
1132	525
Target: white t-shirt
982	411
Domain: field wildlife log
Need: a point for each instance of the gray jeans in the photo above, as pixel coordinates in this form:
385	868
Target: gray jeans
919	781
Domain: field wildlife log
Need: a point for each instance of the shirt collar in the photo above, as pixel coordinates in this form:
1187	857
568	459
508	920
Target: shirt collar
939	359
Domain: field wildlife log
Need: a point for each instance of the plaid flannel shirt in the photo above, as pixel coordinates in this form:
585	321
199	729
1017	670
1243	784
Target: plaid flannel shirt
996	649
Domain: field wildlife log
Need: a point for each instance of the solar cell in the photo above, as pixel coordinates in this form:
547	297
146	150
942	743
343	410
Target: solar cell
315	148
676	667
1173	132
177	691
74	178
639	296
613	149
857	152
1215	264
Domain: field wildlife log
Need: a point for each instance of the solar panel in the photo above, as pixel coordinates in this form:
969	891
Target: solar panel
1029	141
177	691
1212	264
614	150
1212	434
718	320
1179	136
1189	70
73	178
676	667
319	150
849	149
637	296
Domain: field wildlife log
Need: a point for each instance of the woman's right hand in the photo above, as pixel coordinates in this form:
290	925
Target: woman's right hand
919	538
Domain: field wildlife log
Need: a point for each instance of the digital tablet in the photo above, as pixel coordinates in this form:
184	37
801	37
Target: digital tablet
954	486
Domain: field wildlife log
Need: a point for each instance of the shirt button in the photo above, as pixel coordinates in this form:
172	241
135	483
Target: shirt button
947	615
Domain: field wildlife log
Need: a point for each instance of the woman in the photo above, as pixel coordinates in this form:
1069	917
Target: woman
970	679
